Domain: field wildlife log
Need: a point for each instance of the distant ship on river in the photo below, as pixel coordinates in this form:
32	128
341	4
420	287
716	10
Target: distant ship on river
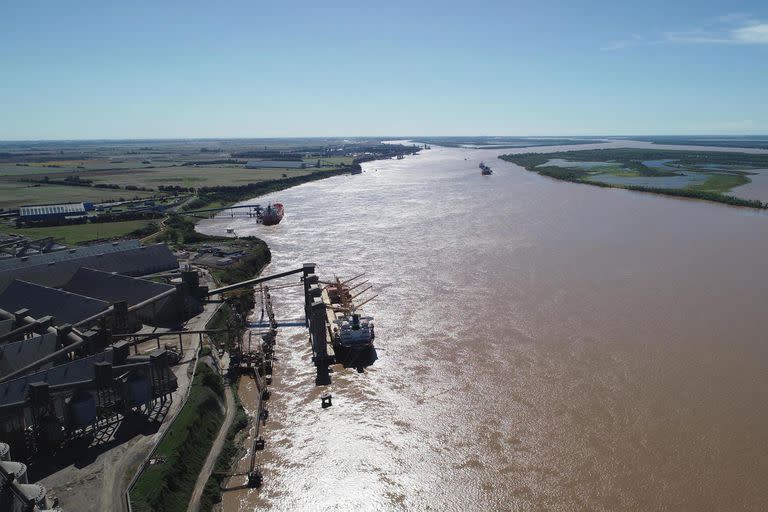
485	170
272	214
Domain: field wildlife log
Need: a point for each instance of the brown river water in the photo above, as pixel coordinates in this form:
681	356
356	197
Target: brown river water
543	345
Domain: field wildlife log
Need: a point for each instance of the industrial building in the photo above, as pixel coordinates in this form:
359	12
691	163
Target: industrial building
72	253
16	493
63	370
113	287
40	410
39	301
41	212
55	269
16	246
18	354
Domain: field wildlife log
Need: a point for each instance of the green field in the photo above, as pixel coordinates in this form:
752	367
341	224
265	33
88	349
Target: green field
78	233
329	160
53	168
15	193
188	176
721	183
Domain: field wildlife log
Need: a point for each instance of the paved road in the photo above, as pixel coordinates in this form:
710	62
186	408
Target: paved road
218	444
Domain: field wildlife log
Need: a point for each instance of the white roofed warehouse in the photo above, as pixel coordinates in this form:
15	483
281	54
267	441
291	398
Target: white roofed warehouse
40	212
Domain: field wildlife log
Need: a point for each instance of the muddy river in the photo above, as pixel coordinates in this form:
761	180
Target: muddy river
544	345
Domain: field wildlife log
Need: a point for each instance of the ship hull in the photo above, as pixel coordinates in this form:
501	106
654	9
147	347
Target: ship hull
355	356
273	215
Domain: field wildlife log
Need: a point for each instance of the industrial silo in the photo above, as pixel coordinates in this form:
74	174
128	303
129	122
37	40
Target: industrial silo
17	470
137	389
34	495
81	410
13	473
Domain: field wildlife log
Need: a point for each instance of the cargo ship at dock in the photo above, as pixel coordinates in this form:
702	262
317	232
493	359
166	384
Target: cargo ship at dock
351	333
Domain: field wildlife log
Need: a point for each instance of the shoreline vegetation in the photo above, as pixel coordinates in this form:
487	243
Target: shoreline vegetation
167	485
717	169
171	178
225	195
222	196
744	141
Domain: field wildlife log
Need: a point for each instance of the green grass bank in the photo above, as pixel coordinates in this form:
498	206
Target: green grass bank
168	486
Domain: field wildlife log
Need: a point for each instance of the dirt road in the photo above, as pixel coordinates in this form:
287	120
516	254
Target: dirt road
218	444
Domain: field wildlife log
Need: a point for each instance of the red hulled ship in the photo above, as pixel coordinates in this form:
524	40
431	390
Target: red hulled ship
272	214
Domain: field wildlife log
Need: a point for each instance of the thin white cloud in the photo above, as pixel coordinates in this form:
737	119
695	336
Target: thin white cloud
693	37
735	28
755	34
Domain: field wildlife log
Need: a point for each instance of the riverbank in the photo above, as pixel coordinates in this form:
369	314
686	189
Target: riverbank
184	456
707	176
226	195
167	484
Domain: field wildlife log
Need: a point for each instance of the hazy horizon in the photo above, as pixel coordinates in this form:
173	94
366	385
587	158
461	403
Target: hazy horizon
393	137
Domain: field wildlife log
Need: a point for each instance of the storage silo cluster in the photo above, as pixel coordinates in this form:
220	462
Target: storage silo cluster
16	493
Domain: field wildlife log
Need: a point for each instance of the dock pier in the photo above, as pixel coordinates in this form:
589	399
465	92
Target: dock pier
255	356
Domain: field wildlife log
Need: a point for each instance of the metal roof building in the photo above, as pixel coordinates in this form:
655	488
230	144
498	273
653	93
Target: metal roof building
6	325
72	253
17	355
56	269
65	307
15	391
77	394
112	287
49	211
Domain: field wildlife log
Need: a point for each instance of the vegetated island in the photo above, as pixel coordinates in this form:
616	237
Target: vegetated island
692	174
724	141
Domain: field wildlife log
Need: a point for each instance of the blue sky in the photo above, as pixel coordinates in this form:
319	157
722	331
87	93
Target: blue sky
75	70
